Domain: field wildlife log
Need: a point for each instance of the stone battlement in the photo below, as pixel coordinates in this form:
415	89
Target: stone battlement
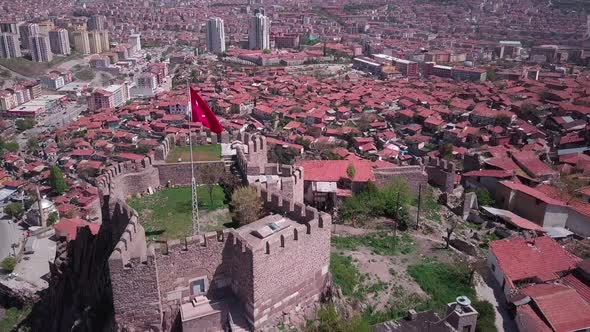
104	181
251	153
442	164
441	173
132	244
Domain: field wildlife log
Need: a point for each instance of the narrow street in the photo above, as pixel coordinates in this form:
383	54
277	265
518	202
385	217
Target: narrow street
488	290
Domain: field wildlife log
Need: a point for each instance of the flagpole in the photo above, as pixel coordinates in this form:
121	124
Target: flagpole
195	200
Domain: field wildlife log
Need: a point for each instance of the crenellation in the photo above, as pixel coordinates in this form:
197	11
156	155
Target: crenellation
226	258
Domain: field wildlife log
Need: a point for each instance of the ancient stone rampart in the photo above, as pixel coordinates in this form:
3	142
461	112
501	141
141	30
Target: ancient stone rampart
133	273
262	277
441	173
128	178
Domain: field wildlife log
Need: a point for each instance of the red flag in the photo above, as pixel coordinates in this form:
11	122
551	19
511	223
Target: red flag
203	114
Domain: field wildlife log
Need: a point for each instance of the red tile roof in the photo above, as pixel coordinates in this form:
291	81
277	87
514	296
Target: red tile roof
565	310
529	321
520	259
581	286
68	228
494	173
532	192
317	170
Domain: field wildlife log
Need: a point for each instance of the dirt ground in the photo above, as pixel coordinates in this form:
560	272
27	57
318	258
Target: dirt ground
392	270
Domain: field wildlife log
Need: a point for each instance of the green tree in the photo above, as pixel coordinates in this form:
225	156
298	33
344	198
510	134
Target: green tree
351	171
33	144
446	151
266	51
211	174
24	124
8	264
528	109
503	120
52	218
14	210
148	57
57	180
484	198
143	149
245	204
11	146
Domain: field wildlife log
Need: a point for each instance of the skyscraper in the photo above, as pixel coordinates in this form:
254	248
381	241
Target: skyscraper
215	35
9	46
97	22
135	42
259	33
94	39
104	40
59	41
10	27
26	31
40	48
81	42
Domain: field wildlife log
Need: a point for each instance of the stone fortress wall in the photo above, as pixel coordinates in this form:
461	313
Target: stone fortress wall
267	280
436	171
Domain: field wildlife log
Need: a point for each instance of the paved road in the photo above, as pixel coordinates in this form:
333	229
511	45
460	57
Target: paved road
9	233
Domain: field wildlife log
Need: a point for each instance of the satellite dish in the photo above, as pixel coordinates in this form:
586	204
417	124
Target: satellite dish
463	301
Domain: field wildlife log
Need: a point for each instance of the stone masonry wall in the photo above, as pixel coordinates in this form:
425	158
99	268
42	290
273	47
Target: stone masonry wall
292	270
187	259
441	173
134	276
127	178
180	173
415	176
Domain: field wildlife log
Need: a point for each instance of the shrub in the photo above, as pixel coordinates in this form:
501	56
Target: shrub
52	218
24	124
8	264
246	205
484	198
14	210
375	202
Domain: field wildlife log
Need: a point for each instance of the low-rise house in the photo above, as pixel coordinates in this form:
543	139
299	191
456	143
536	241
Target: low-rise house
531	204
518	262
324	188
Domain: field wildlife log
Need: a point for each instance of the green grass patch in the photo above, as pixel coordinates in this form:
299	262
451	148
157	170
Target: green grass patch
486	318
381	243
429	206
167	214
345	274
13	317
208	152
443	282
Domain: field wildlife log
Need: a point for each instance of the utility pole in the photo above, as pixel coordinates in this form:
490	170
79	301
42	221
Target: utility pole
419	203
396	216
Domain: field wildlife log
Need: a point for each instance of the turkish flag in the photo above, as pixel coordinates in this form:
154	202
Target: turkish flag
200	112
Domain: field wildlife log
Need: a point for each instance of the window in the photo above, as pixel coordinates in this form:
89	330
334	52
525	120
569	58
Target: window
198	287
493	268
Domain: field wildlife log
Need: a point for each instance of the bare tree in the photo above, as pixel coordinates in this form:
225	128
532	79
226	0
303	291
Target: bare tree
211	174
